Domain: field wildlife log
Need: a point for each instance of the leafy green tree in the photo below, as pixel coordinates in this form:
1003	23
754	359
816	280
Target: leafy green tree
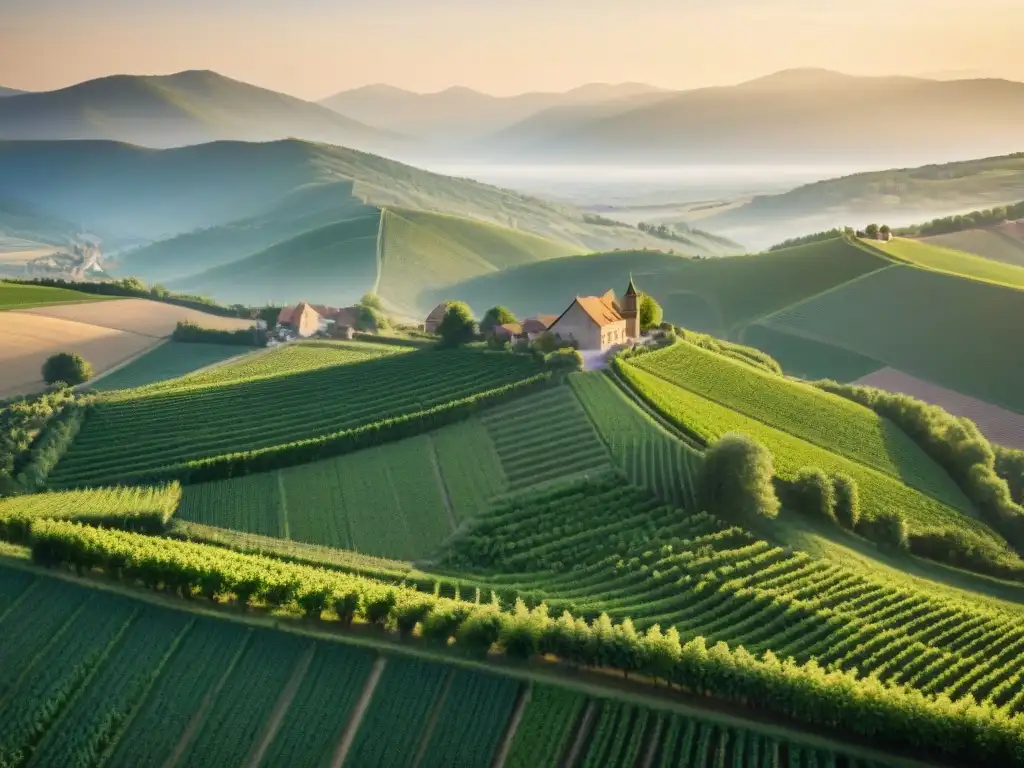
884	230
847	500
815	495
650	313
567	360
494	317
68	367
871	231
373	301
458	326
371	319
736	479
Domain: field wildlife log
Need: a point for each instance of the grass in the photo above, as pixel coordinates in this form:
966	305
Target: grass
227	411
470	466
960	334
988	243
827	421
719	296
15	296
809	359
879	491
167	361
421	251
954	262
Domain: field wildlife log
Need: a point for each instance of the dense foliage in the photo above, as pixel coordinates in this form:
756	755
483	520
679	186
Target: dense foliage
1010	467
457	327
738	352
816	237
21	421
650	313
66	368
865	707
494	317
976	219
190	332
736	479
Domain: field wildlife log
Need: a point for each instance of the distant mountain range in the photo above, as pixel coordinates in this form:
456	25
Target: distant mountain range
457	113
174	110
794	116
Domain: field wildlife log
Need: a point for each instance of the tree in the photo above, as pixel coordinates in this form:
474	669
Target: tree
372	301
815	495
847	500
650	313
545	343
68	367
884	230
736	480
458	326
371	319
494	317
871	231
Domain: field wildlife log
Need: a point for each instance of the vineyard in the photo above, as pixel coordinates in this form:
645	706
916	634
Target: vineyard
543	437
167	361
827	421
958	333
809	359
932	256
95	679
595	548
880	492
156	432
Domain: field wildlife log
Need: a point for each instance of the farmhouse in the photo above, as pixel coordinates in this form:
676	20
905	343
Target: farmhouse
600	322
434	318
326	318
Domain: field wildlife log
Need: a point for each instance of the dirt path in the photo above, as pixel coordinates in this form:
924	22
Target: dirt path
349	735
200	716
428	732
652	746
284	701
581	735
285	532
510	735
436	463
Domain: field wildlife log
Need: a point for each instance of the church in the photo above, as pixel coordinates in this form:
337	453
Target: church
600	322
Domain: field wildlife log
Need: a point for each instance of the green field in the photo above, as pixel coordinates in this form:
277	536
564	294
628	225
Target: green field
960	334
15	296
879	491
827	421
421	251
809	359
167	361
718	296
225	412
954	262
989	243
93	678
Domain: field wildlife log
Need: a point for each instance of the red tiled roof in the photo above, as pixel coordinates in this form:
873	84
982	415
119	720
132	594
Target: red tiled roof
598	310
538	324
511	329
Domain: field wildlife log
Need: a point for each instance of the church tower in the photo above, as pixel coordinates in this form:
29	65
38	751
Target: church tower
631	311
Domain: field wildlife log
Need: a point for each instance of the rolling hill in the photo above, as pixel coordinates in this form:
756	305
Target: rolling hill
954	262
454	114
898	197
1004	243
192	107
794	116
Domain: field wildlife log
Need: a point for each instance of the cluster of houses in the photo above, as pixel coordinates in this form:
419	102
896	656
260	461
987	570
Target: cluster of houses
590	323
304	320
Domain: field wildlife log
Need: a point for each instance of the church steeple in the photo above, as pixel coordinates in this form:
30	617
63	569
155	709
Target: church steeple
631	310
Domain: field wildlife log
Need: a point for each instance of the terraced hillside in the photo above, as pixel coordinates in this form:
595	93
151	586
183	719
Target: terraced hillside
960	334
719	296
954	262
288	402
403	499
95	678
904	480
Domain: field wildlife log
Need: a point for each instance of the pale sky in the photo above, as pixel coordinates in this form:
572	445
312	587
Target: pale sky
313	48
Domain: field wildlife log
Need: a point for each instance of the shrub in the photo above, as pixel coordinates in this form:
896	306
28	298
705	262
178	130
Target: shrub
813	494
494	317
192	333
736	479
458	326
650	313
67	367
888	530
847	500
566	360
545	343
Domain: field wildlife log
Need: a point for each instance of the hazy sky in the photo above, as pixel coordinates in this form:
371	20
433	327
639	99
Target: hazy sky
312	48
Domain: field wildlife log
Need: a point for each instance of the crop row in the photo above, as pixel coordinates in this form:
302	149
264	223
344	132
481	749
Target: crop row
134	436
832	423
864	708
600	547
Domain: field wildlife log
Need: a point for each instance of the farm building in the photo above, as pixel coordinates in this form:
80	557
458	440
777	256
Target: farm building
434	318
305	320
600	322
509	332
328	317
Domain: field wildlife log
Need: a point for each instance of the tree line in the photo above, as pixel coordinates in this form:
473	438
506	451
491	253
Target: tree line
989	217
894	717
